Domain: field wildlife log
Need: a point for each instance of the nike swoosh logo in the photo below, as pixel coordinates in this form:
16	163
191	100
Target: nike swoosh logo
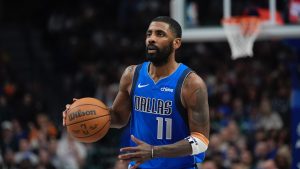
141	86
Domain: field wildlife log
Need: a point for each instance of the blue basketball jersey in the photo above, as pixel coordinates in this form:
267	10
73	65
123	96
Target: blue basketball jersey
158	117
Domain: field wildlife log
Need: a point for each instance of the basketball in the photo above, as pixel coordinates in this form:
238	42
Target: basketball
87	120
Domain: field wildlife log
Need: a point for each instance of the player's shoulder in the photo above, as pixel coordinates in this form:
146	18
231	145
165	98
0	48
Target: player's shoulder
129	71
127	77
193	81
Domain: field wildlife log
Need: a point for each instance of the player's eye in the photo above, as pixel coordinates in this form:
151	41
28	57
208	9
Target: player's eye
160	34
148	34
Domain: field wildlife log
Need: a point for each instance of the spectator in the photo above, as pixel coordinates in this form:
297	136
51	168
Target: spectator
260	152
268	164
209	164
52	150
8	160
44	160
25	158
268	119
42	131
283	158
8	141
71	153
247	159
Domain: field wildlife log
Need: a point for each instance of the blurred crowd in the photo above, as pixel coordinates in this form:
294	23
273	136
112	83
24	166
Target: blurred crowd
53	51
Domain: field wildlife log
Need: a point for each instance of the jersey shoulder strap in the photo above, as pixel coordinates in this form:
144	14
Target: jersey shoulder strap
178	102
135	78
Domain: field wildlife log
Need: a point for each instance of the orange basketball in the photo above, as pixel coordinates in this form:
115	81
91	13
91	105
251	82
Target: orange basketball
88	120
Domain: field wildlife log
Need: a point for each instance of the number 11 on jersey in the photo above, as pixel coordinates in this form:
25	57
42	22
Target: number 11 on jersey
164	124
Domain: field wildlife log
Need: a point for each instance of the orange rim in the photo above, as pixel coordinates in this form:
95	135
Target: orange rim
241	19
248	24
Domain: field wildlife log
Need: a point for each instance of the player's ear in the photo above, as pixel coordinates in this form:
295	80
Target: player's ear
176	43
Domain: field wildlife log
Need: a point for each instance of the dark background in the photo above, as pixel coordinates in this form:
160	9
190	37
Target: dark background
53	51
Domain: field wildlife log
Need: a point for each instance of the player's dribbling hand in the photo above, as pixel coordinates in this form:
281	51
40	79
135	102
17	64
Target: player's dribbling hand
140	154
64	113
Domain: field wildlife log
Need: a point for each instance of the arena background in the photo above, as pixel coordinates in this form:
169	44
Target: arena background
53	51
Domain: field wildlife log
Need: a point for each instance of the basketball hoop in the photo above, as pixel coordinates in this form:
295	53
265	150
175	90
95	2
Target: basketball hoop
241	33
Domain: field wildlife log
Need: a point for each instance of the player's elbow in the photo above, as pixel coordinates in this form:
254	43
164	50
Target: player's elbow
118	121
117	125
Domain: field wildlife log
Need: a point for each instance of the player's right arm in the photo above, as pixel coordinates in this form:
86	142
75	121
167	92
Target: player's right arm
121	108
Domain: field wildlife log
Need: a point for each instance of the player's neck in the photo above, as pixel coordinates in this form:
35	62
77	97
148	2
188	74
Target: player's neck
158	72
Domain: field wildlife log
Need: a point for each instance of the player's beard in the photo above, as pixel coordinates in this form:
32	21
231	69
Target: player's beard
161	56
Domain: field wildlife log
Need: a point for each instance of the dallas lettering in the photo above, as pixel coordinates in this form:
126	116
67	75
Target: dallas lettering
153	105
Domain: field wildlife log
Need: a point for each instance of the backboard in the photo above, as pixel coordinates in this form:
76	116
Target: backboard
186	12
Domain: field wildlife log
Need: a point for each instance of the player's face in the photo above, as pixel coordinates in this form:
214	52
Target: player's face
159	43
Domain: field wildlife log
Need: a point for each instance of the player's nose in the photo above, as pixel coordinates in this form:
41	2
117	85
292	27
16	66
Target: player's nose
151	40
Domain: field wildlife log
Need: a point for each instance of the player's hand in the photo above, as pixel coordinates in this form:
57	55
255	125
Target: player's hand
64	113
139	154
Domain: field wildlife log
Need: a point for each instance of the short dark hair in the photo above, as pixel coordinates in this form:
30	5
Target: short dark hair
174	25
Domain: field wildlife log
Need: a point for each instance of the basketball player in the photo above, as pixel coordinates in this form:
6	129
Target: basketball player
165	103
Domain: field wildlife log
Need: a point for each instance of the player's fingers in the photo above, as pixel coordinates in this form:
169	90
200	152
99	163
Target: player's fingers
125	161
128	156
64	121
74	99
136	140
68	106
64	114
124	149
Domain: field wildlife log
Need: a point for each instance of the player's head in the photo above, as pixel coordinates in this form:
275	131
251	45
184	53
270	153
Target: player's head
163	37
173	24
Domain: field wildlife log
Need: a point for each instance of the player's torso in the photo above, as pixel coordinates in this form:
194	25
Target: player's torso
158	117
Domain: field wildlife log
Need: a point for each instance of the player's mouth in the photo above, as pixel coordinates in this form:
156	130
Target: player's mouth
152	49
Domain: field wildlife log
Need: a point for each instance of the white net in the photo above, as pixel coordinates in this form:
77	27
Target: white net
241	33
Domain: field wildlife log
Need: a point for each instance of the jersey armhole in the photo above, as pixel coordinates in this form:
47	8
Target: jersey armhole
179	105
135	78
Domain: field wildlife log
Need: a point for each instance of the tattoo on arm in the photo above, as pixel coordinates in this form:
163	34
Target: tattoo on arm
200	111
130	69
120	110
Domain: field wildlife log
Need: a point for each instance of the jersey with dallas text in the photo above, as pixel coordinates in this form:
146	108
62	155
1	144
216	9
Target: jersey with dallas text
158	117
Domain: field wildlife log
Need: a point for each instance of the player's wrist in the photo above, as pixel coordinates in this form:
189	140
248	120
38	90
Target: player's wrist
198	141
154	152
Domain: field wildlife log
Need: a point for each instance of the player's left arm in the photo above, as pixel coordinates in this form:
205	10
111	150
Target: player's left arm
194	99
